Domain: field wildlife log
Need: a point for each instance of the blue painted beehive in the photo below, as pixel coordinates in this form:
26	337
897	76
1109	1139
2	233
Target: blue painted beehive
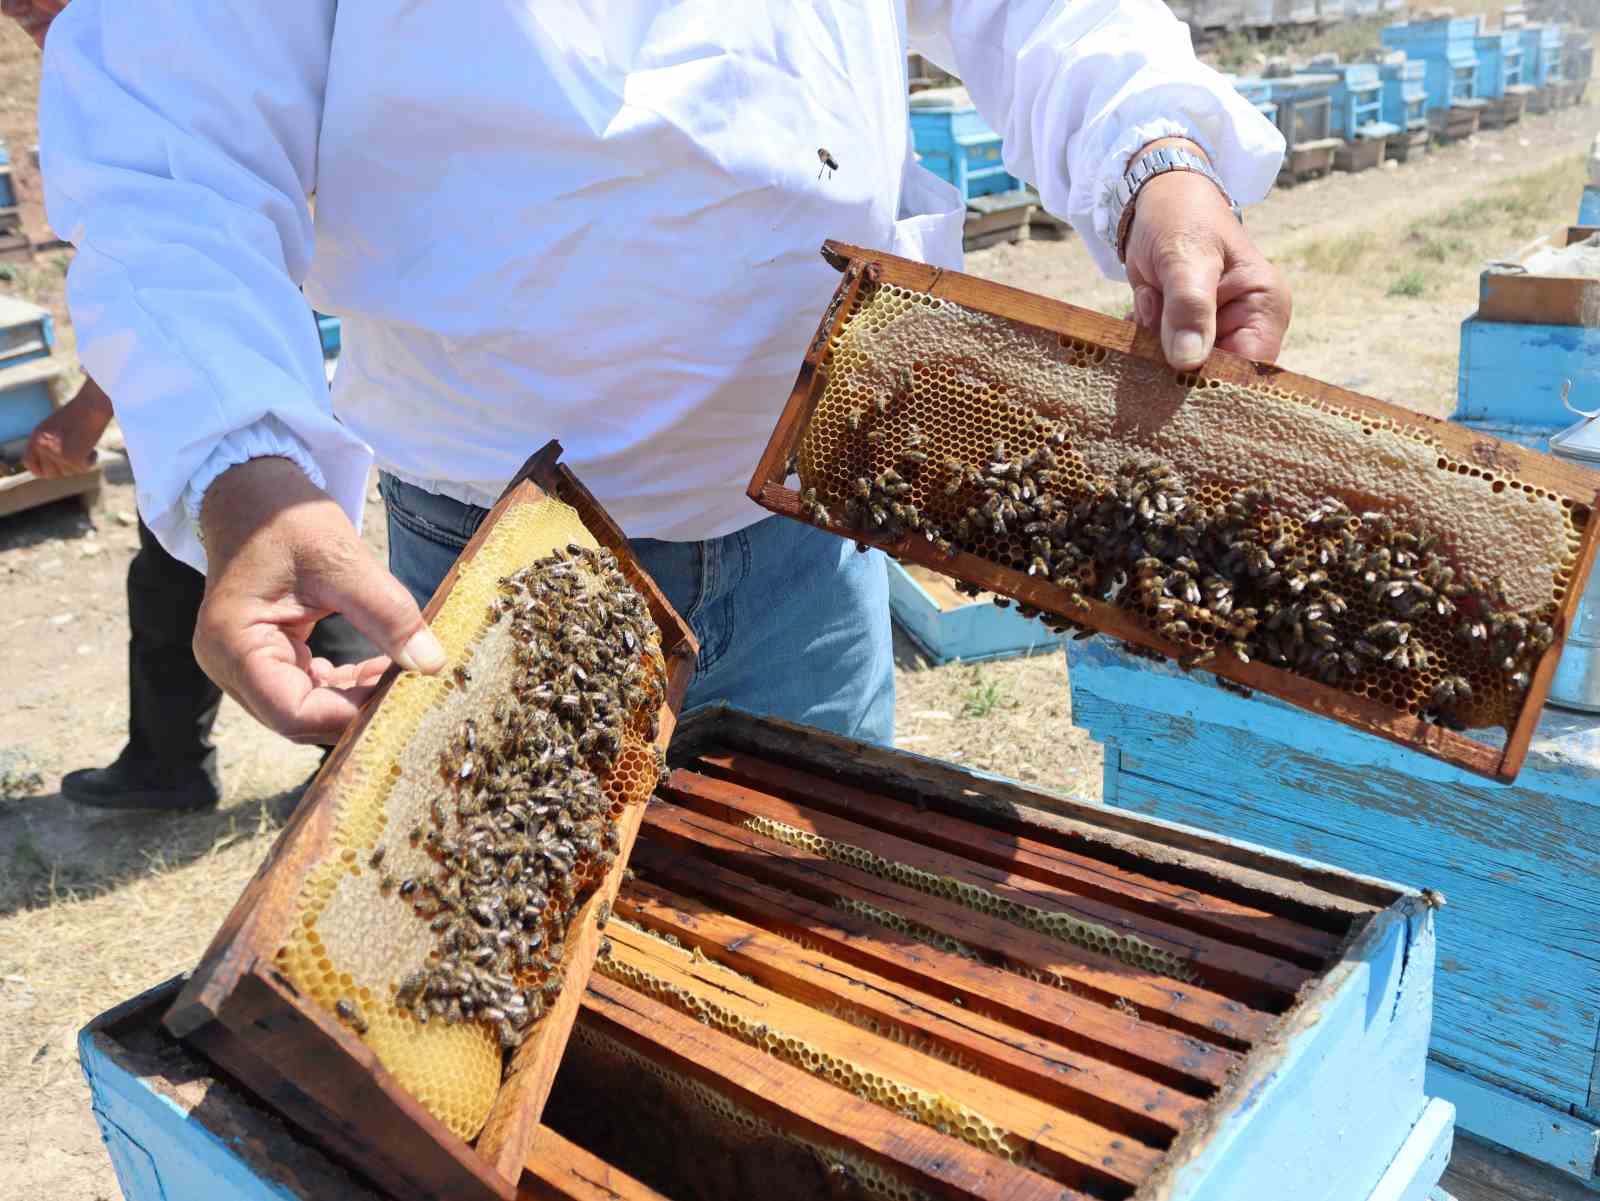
1446	47
1518	1005
1305	107
27	377
1589	206
1277	1048
1541	53
1499	62
947	626
1405	93
1259	93
1358	103
955	143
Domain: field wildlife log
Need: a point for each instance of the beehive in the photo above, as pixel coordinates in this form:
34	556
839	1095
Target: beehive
843	971
1181	513
771	1021
432	906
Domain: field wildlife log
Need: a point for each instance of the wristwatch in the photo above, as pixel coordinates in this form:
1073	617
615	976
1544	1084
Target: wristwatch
1146	167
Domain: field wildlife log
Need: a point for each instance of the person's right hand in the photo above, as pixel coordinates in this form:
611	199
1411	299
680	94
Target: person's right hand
64	442
281	555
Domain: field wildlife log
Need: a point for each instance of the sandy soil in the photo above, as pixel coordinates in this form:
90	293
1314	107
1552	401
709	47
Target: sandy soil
91	911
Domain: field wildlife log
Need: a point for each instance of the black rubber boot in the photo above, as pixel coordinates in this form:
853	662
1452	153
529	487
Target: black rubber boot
122	786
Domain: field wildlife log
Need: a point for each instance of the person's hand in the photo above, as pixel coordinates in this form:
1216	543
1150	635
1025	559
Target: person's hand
33	15
63	443
281	555
1198	278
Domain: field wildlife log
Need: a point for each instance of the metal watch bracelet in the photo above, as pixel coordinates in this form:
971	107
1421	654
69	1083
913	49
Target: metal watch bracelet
1147	166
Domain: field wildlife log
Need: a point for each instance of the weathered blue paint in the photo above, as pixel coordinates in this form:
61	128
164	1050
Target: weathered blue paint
1513	373
1518	1006
970	633
1534	437
1358	103
1330	1116
1541	53
1500	62
161	1152
1556	1138
1422	1160
1405	93
1589	206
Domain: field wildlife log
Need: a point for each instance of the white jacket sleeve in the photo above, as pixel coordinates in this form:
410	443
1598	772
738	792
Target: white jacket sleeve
1074	87
179	146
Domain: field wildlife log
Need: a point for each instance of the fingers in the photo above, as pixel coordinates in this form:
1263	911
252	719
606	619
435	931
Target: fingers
1187	275
380	607
1255	310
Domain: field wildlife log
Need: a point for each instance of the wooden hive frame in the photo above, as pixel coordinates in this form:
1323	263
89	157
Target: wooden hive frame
765	977
862	267
241	1012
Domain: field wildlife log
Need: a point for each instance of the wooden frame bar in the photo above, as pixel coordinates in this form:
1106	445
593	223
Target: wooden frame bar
249	1019
1576	486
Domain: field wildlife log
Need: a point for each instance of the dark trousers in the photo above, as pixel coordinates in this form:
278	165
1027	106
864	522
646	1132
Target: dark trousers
172	704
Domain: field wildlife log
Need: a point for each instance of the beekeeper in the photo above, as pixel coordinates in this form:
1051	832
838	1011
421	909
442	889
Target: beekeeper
585	220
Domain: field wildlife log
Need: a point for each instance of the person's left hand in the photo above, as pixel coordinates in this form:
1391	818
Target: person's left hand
1198	278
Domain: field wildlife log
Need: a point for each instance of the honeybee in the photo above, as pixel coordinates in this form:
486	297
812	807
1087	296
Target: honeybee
829	163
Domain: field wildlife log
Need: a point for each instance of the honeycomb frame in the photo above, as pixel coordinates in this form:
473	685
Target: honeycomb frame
1470	464
243	1009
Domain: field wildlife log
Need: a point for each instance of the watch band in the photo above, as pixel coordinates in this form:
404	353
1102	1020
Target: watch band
1142	170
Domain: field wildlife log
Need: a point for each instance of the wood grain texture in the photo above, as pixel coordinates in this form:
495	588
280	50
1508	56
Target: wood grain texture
1540	299
1239	972
1158	1035
795	1101
1311	892
1517	1010
1562	479
1031	858
1068	1146
561	1170
243	1014
1117	1098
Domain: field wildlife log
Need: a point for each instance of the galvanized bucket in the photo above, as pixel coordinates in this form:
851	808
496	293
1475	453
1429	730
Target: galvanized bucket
1577	680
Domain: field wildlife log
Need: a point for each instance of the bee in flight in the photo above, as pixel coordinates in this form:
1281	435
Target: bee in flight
829	163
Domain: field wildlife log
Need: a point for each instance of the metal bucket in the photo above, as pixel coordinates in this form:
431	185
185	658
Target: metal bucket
1577	679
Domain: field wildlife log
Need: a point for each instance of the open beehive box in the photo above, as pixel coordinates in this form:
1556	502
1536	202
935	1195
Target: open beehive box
402	973
837	970
1411	578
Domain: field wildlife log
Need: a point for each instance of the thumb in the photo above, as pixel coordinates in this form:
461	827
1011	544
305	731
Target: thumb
379	606
1188	277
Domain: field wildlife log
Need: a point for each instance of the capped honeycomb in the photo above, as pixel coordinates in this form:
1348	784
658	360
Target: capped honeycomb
1232	519
477	810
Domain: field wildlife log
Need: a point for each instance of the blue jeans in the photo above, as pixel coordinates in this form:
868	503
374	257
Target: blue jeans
792	622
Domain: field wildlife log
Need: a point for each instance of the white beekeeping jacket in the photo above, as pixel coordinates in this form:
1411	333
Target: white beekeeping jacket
597	221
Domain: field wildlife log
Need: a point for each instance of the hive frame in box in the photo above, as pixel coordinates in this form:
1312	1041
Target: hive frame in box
859	266
246	1016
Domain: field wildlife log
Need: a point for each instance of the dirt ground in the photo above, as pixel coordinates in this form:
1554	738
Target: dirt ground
1384	267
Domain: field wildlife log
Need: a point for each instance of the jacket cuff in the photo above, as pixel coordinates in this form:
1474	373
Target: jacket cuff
265	439
1115	167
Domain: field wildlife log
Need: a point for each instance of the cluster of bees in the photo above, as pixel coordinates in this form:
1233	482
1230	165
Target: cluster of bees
521	829
1238	574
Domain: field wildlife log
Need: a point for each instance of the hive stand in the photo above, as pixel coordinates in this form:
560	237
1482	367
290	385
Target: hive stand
1517	1014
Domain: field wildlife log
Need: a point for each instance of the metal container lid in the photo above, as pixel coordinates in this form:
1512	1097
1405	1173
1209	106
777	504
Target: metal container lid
1580	443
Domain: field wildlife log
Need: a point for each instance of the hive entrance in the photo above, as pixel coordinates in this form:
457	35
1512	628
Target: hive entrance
1416	571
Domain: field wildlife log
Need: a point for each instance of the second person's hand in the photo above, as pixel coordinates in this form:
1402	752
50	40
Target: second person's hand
281	555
